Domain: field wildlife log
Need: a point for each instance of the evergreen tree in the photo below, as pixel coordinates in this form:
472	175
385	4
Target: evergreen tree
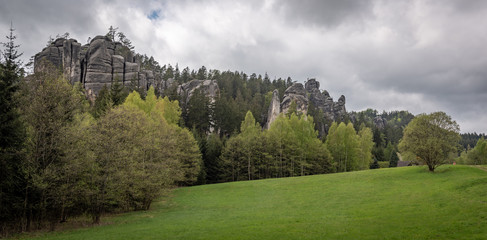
198	112
117	92
112	32
211	158
12	136
202	73
103	102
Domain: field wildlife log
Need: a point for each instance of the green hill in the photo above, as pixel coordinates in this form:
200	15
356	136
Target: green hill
399	203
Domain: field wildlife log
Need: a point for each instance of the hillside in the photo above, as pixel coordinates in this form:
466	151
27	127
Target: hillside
399	203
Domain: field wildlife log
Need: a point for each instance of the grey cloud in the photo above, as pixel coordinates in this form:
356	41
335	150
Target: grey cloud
328	13
431	55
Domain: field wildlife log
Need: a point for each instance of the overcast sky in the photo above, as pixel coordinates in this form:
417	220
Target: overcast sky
420	56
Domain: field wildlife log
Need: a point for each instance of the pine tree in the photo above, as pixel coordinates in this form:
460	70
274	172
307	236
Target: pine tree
12	136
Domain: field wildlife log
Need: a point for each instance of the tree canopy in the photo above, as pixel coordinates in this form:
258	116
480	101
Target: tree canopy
431	137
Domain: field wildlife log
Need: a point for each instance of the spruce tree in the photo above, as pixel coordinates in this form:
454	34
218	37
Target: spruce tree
11	134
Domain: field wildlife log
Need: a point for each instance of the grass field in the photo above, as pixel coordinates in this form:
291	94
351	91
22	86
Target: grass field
396	203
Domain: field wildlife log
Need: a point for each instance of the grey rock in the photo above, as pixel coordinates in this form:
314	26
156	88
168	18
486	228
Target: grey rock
118	65
95	64
274	109
297	94
209	88
304	96
131	74
71	60
62	53
379	122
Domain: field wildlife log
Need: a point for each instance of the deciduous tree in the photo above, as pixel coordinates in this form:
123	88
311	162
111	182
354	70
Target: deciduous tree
431	137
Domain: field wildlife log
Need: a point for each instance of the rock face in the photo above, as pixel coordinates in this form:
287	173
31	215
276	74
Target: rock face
304	97
379	122
96	64
322	100
274	109
62	52
295	93
209	88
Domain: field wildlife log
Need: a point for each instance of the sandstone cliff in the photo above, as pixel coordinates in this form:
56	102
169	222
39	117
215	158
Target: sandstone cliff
96	64
274	109
208	87
303	97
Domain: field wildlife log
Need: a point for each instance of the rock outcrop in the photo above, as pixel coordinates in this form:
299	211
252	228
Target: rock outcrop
321	100
208	87
96	64
295	93
379	122
304	97
62	52
274	109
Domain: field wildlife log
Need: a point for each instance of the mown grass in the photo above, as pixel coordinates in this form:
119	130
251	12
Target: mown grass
396	203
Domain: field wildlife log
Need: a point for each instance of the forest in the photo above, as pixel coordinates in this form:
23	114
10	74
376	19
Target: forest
63	156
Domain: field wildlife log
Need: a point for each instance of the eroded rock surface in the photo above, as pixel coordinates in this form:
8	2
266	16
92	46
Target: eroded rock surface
274	109
99	63
305	96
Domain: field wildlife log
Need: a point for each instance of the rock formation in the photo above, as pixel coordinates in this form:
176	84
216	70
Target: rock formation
208	87
274	109
304	97
96	64
295	93
379	122
322	100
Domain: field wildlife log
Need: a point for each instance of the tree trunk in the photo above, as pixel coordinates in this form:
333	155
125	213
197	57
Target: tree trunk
431	168
248	166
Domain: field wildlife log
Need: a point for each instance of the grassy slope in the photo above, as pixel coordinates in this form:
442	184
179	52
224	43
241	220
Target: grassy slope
401	203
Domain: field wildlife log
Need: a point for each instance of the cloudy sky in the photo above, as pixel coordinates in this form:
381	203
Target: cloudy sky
420	56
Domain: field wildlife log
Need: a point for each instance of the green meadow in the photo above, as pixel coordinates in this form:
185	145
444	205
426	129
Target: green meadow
396	203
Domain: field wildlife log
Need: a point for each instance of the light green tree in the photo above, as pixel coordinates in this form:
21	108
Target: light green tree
343	144
431	137
365	144
250	135
478	155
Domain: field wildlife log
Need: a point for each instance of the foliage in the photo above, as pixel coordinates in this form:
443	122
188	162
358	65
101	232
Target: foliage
475	156
12	137
197	113
350	151
469	140
50	105
289	148
431	138
213	165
